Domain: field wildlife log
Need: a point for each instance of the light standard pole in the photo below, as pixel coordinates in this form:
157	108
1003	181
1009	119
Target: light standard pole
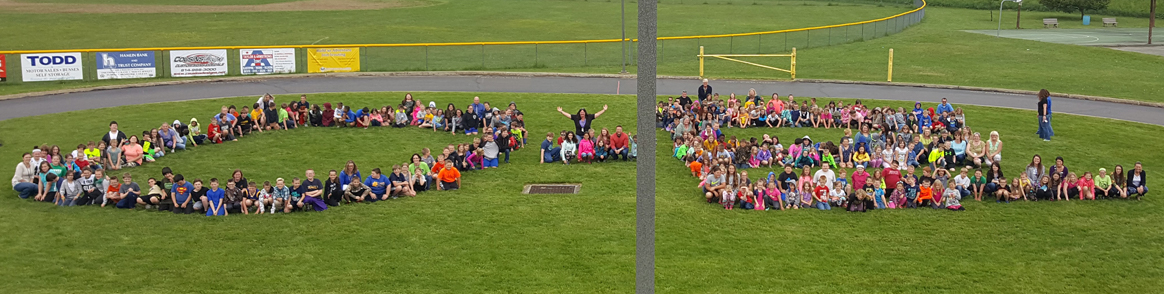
623	41
1151	21
1018	18
999	33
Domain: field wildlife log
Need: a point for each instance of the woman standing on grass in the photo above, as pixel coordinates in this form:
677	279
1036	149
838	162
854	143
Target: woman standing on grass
1044	111
583	120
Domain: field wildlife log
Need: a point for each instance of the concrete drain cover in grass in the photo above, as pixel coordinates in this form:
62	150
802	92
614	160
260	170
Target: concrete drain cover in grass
552	189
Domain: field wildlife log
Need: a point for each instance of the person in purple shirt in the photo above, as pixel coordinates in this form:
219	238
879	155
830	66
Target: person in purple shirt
171	139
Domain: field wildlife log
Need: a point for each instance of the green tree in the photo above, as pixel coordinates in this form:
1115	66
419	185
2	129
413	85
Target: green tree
1082	6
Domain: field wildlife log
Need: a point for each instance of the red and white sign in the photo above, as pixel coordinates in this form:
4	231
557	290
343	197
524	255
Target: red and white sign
3	68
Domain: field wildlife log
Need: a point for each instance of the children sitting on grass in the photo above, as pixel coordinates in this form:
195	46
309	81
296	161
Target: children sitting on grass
875	140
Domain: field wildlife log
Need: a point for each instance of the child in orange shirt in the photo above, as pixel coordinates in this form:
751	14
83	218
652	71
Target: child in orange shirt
695	166
925	194
449	176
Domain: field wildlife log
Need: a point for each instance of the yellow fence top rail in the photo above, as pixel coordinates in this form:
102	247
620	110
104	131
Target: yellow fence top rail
923	6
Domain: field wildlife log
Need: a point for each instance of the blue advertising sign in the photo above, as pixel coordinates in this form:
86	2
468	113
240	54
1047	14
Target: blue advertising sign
126	65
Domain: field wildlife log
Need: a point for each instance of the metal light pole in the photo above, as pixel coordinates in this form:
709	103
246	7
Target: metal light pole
1018	19
623	41
1151	21
645	174
999	33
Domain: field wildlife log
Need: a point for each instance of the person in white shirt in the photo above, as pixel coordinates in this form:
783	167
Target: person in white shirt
961	181
22	178
829	175
113	134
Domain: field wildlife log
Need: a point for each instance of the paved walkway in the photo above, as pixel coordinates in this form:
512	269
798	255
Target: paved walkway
107	98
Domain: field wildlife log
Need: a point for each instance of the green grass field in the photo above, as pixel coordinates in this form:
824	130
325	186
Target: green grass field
935	51
490	238
165	2
487	237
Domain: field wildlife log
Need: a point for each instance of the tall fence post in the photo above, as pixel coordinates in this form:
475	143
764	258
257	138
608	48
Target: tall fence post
807	39
792	67
585	48
890	79
426	58
759	44
731	44
785	41
830	36
482	56
863	32
701	61
535	54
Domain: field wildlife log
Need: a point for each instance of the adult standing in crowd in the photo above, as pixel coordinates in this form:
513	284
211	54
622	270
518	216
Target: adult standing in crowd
113	134
583	120
704	91
945	107
1045	132
684	100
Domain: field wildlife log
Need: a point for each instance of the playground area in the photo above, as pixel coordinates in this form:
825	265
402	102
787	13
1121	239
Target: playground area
1085	37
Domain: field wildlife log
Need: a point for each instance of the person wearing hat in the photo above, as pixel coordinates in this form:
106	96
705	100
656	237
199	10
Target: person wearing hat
1103	185
704	91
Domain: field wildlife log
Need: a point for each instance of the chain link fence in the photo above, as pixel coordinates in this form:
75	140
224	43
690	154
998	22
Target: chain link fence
556	55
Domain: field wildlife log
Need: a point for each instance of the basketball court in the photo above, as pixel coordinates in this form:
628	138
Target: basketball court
1113	37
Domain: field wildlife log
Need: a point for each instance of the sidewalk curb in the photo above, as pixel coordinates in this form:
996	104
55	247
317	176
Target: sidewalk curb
564	75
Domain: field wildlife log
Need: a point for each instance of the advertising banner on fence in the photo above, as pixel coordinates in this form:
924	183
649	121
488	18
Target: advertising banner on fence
126	65
51	67
267	61
3	68
197	63
333	59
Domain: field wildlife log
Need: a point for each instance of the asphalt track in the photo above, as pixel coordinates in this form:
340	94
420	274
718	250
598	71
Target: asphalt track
39	105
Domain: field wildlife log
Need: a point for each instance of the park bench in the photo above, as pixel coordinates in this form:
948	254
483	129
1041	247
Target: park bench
1111	21
1054	22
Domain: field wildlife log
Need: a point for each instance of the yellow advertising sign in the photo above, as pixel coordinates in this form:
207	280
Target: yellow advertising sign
333	59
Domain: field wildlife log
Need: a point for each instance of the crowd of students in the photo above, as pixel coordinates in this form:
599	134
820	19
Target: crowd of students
88	175
584	145
885	153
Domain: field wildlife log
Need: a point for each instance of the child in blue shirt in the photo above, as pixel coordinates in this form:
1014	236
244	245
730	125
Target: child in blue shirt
181	195
213	199
378	183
